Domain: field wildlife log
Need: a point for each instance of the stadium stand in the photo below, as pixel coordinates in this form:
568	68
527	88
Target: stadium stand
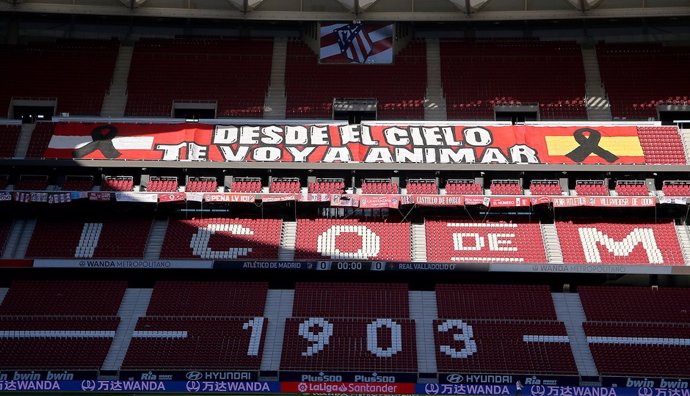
379	186
421	186
661	145
506	187
329	318
124	238
162	184
216	322
637	331
246	185
285	185
75	72
222	238
9	134
503	329
648	64
483	242
234	74
327	186
201	184
545	187
676	188
591	187
463	187
619	243
350	239
310	87
77	183
40	138
32	182
117	183
549	74
631	188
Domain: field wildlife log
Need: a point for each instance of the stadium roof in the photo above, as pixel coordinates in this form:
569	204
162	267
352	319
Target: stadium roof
339	10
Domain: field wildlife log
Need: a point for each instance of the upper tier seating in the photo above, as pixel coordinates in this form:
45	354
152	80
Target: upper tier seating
463	187
207	299
201	184
619	243
649	65
285	185
9	134
500	329
233	73
422	186
591	187
506	187
477	75
661	145
222	238
676	188
351	300
196	343
246	185
32	182
379	186
635	304
310	87
631	188
327	186
352	240
487	242
77	183
75	72
545	187
162	184
40	138
63	298
77	239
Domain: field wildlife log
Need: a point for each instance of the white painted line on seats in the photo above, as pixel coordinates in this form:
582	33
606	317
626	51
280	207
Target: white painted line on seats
490	259
159	334
120	143
544	338
639	341
55	334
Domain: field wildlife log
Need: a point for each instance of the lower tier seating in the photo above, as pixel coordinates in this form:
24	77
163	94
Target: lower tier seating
378	344
171	298
351	300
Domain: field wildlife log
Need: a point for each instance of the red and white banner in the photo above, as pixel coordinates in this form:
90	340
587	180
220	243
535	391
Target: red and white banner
129	196
171	197
363	43
608	202
229	197
379	201
345	200
519	144
278	198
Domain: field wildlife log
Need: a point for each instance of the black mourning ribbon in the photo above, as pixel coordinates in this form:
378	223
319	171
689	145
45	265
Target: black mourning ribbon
589	145
102	141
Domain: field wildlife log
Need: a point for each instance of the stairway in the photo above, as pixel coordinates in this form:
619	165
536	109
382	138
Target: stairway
552	246
134	305
115	101
274	104
155	240
569	311
22	243
24	139
288	237
419	243
685	138
434	101
3	293
596	101
684	240
278	308
16	231
423	311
